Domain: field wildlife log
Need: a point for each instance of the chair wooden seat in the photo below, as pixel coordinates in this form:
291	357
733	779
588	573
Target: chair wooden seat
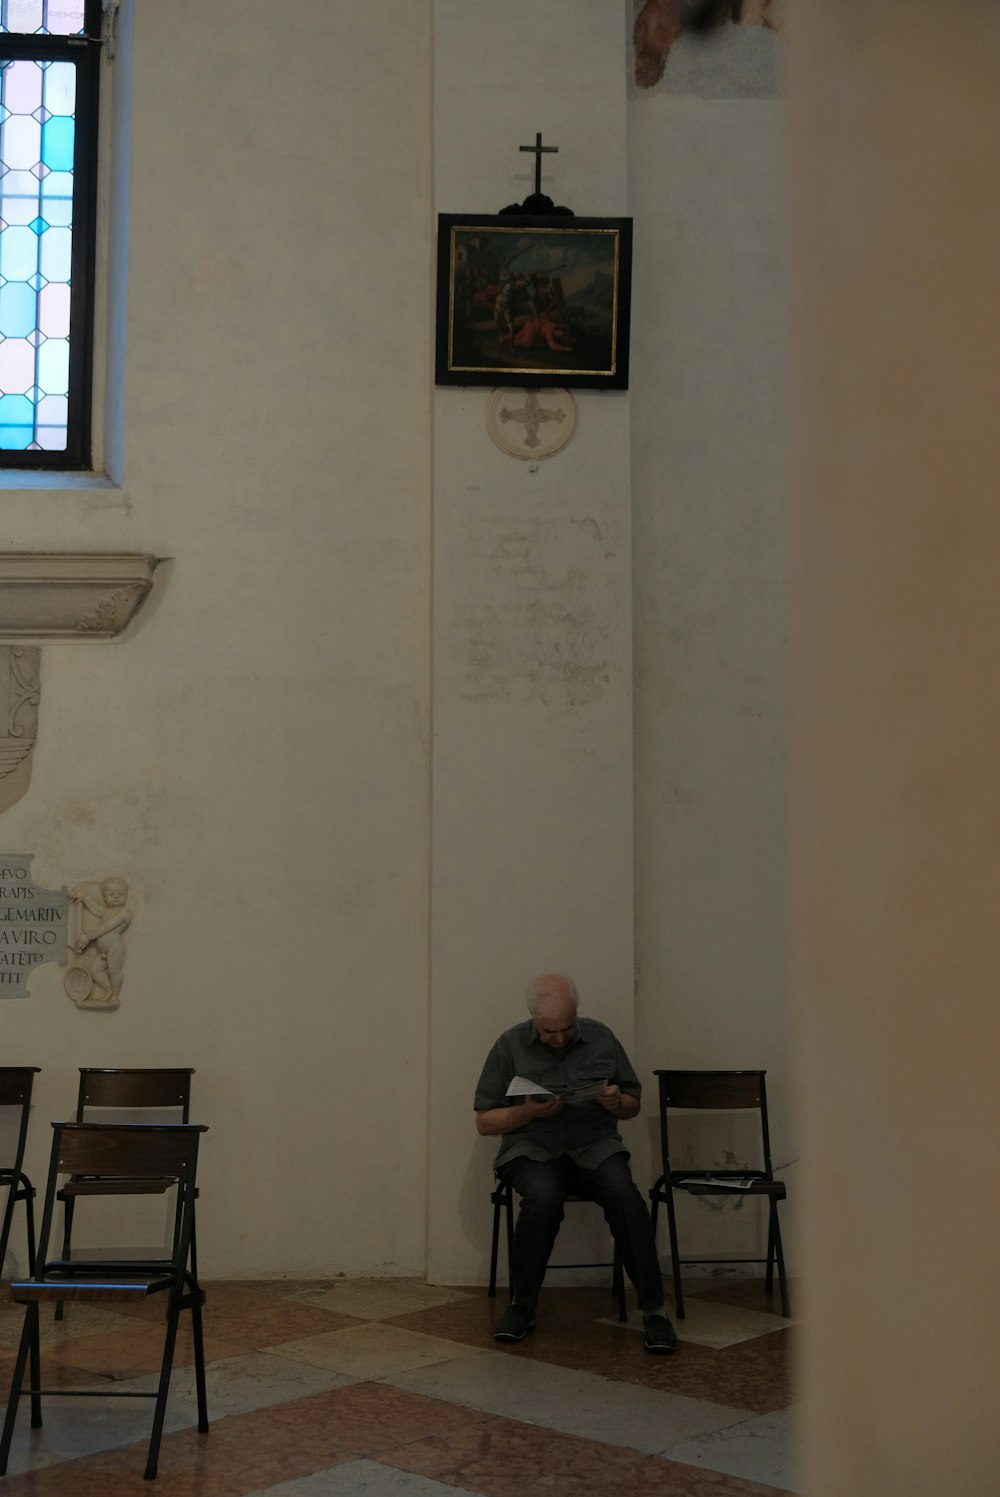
122	1187
26	1290
773	1188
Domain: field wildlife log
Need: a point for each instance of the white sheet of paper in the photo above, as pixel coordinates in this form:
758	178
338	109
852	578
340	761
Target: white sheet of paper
522	1087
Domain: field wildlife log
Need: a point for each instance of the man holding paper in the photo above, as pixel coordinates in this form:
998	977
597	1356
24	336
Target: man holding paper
553	1089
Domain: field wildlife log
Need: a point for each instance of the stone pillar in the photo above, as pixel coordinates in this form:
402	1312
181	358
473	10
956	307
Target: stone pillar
896	160
532	688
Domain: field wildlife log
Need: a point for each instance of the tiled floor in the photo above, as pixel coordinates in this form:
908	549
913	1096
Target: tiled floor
392	1387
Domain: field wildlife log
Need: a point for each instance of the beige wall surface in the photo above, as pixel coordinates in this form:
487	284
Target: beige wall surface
253	755
897	241
711	602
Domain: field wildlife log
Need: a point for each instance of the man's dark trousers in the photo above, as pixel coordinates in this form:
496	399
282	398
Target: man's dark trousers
543	1186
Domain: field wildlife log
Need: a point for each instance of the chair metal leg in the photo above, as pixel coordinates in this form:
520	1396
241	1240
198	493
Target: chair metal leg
780	1257
163	1388
28	1344
618	1286
68	1205
509	1203
492	1290
654	1204
29	1209
35	1372
199	1360
675	1262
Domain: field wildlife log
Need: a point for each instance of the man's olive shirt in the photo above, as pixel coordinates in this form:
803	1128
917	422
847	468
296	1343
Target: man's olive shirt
585	1131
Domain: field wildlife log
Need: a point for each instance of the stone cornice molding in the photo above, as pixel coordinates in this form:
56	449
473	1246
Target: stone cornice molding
64	595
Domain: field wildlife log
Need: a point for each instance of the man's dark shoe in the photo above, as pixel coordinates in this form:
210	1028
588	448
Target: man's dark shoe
514	1324
658	1334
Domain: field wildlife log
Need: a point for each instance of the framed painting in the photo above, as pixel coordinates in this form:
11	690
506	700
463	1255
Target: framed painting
533	301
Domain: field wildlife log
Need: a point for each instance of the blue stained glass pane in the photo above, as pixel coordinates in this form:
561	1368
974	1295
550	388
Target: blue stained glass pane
18	253
20	185
59	88
57	185
17	422
56	254
59	211
17	309
53	366
57	143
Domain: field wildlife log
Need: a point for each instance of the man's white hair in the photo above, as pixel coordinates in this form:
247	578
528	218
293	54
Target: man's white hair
548	990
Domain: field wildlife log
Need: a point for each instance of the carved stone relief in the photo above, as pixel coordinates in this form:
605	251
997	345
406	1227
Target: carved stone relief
532	426
99	918
20	688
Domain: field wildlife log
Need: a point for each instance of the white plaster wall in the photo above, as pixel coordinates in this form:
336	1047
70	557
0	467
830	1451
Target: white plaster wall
532	759
253	756
710	593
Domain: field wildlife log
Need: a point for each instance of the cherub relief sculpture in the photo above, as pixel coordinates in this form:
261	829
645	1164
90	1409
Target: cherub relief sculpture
100	919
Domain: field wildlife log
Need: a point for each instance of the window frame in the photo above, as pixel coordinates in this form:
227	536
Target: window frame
84	50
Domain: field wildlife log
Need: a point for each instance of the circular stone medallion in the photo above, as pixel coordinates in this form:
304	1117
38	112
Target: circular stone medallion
531	424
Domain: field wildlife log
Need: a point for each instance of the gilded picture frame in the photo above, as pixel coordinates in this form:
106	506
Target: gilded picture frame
533	301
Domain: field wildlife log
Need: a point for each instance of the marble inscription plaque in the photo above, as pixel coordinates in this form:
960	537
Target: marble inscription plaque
32	924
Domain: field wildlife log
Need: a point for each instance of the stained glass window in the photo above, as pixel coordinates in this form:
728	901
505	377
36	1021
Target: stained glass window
48	98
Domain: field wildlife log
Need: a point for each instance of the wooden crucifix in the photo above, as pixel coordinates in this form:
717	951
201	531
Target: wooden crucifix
537	151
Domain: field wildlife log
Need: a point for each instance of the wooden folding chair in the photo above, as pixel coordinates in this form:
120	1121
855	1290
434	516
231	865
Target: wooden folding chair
128	1089
15	1091
123	1160
718	1091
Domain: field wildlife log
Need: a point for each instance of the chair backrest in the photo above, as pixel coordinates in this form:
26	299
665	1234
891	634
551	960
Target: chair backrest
15	1091
124	1159
714	1091
135	1087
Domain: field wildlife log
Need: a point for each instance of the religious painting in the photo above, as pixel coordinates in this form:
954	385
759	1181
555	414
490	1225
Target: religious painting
533	301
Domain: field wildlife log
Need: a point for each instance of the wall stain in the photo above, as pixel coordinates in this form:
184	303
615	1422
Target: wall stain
552	652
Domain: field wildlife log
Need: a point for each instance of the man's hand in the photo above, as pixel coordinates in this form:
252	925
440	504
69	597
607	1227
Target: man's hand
620	1104
496	1120
543	1107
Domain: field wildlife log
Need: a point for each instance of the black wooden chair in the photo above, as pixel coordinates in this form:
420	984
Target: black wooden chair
707	1092
502	1198
123	1161
15	1091
129	1090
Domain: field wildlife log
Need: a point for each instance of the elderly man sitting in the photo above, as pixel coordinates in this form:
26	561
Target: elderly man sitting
554	1145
